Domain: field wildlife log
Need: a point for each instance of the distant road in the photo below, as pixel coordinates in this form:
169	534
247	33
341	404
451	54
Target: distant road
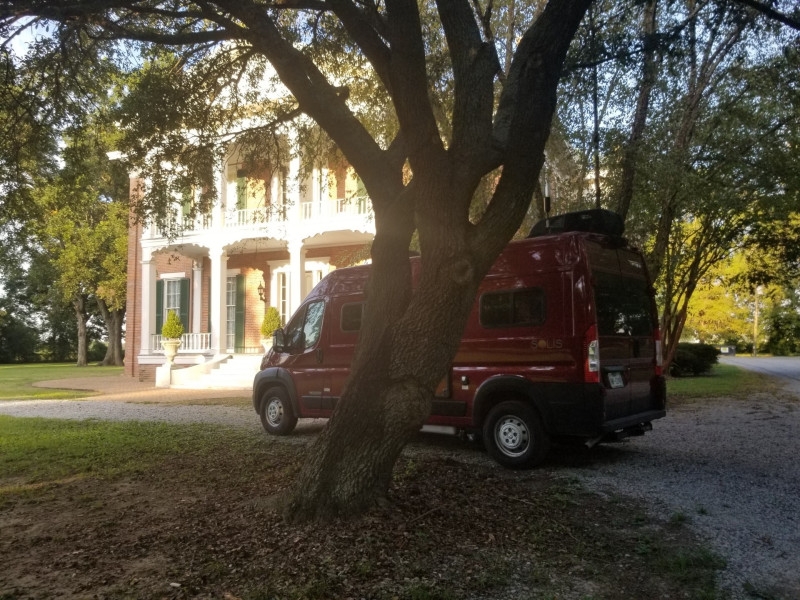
784	368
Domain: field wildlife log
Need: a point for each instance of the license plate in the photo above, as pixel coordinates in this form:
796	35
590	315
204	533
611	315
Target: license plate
615	380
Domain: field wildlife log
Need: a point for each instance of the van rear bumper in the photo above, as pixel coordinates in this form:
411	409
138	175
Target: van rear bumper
632	420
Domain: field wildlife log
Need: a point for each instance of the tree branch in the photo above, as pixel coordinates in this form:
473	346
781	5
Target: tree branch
409	84
366	37
475	64
771	13
526	108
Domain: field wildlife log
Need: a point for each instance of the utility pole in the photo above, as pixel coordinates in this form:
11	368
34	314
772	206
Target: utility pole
755	325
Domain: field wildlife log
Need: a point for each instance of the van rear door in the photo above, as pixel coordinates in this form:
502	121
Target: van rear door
626	333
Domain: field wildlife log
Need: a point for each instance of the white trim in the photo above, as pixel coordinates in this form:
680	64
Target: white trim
233	272
173	275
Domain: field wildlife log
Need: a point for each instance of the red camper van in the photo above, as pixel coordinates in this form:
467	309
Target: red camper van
562	342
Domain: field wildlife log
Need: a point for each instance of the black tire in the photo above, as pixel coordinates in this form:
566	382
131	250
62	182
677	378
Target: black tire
514	435
277	415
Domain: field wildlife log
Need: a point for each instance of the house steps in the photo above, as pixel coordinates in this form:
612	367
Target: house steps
235	372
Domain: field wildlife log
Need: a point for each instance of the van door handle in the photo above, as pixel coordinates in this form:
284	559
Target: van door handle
319	356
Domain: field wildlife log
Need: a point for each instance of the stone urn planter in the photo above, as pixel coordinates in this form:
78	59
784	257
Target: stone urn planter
170	348
171	334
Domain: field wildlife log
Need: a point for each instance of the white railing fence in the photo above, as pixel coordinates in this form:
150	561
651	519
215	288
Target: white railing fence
190	342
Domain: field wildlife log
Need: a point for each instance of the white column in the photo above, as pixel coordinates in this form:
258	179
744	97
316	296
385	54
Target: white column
197	295
147	318
218	210
297	274
219	269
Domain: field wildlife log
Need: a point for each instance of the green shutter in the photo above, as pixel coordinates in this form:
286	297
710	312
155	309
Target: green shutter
187	200
241	189
184	314
240	314
159	305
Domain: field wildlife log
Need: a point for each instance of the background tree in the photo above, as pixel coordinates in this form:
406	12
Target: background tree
783	323
84	235
685	147
19	340
721	310
56	101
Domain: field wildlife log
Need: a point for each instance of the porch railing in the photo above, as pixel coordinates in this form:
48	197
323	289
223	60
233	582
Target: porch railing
190	342
355	206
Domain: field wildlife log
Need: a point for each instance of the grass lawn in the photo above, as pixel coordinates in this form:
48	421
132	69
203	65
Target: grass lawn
16	381
723	381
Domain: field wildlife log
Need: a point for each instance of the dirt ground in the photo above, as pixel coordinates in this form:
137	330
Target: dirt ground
206	526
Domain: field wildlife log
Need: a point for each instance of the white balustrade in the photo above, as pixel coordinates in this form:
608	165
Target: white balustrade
190	342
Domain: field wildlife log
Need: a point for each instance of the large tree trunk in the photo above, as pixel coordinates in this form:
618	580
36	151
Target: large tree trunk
402	356
81	318
113	320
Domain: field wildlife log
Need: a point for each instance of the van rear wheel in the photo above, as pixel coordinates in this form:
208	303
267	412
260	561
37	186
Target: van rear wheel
515	436
277	416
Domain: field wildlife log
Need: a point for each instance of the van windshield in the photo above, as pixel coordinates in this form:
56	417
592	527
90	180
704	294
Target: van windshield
623	305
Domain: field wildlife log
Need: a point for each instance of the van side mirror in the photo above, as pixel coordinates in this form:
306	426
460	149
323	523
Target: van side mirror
278	340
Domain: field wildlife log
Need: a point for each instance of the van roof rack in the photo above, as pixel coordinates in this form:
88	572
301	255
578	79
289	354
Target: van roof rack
597	220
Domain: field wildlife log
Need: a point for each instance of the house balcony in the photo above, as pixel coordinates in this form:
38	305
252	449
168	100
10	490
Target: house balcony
280	223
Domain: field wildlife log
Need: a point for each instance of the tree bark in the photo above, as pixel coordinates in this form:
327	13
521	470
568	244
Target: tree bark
81	318
113	320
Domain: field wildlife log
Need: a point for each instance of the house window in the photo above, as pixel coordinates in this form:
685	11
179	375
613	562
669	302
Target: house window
312	279
172	293
172	300
283	296
253	187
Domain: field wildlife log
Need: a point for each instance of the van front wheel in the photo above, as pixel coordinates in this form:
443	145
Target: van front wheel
514	435
277	416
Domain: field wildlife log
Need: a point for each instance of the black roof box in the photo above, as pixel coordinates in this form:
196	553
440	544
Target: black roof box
593	221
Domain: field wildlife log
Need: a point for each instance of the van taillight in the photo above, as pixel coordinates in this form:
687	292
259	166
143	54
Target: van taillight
659	352
591	368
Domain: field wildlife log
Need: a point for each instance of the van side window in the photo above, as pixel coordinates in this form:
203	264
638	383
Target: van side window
351	316
623	305
512	308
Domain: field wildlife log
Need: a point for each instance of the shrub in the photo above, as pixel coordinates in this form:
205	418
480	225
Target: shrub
271	321
97	351
172	328
693	359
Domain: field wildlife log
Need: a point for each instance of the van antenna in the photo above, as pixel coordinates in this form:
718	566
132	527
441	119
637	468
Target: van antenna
547	204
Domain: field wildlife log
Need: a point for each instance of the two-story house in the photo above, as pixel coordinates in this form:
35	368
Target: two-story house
272	234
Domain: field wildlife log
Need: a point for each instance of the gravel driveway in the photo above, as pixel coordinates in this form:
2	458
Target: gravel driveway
730	468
